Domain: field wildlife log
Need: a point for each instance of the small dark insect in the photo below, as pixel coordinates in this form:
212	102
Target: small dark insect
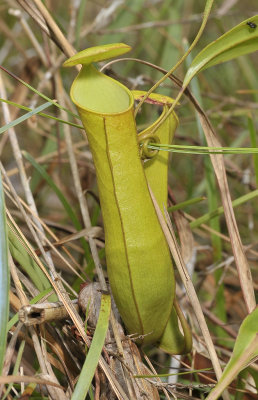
251	24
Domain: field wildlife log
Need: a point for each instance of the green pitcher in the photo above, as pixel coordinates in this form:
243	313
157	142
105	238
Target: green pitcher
138	260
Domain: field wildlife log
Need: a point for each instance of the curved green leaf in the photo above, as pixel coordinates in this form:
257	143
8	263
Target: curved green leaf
245	350
4	278
240	40
92	359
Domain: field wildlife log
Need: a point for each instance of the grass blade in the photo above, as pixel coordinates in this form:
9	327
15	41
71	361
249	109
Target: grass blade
81	12
24	117
252	132
60	195
53	186
4	278
12	103
177	148
91	362
186	203
16	367
53	102
20	254
220	210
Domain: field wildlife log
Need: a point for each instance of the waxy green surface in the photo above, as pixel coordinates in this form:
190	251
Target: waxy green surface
139	265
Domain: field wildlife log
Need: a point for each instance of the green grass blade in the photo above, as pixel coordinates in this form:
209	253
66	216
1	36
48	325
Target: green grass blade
252	131
16	367
210	179
79	22
20	254
240	40
219	211
4	278
186	203
91	362
24	117
254	375
177	148
240	384
61	197
53	186
53	102
12	103
213	203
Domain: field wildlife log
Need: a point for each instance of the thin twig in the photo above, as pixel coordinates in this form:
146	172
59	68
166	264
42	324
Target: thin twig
63	43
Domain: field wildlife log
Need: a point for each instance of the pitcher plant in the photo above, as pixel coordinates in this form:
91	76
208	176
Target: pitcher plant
139	264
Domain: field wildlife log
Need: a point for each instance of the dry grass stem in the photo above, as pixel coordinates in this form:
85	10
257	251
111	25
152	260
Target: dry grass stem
176	254
243	268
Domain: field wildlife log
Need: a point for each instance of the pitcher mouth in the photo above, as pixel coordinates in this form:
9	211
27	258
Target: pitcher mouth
97	93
